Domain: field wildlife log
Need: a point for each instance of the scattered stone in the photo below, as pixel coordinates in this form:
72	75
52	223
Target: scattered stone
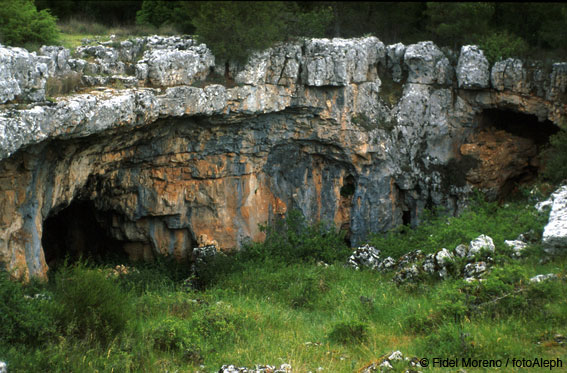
480	243
555	232
473	271
284	368
407	274
542	278
517	246
461	251
365	257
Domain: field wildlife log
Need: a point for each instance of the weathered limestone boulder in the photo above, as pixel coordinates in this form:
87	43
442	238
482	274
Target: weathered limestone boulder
276	66
510	74
427	64
554	238
473	70
394	60
169	67
338	62
22	75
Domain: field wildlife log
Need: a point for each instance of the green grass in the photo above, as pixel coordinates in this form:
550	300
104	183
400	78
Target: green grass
268	309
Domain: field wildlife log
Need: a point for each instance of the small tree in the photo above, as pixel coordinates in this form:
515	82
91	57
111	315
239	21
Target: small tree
233	30
21	23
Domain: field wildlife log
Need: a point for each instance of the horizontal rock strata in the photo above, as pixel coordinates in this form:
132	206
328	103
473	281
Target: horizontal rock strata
169	166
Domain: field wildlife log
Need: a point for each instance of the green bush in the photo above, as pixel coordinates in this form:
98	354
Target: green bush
235	29
501	45
293	240
24	319
349	332
92	306
555	168
21	23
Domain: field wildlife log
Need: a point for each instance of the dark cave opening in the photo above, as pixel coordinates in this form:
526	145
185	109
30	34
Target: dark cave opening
509	147
78	231
519	124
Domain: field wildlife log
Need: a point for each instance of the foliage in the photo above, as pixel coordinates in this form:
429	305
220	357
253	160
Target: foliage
93	307
555	169
501	45
439	230
21	23
293	240
23	318
349	332
233	30
459	23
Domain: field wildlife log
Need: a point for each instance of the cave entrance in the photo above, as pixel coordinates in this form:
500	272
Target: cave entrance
80	231
507	149
519	124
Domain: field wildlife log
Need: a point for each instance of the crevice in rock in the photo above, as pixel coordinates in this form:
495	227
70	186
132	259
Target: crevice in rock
80	231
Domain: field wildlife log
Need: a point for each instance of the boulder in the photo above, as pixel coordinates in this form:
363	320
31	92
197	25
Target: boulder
338	62
473	70
554	238
427	64
170	67
480	243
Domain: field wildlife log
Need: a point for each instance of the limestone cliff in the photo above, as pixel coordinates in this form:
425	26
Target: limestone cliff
350	131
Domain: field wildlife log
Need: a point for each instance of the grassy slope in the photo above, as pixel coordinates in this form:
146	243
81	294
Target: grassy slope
270	312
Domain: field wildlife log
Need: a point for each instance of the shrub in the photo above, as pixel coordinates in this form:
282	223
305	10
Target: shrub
555	169
349	332
233	30
293	240
23	319
21	23
92	306
501	45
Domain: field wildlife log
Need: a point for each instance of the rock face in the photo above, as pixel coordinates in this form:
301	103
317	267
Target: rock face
554	238
166	167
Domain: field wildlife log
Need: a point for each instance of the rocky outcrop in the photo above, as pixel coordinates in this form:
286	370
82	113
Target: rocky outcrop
167	166
554	238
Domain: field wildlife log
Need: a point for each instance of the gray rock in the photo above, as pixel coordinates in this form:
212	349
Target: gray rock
278	66
461	250
338	62
555	232
480	243
407	274
517	246
284	368
558	81
473	70
511	75
22	75
365	257
170	67
394	61
474	271
427	64
542	278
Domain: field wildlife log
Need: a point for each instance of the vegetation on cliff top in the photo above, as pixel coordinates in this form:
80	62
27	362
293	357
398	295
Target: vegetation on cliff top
234	29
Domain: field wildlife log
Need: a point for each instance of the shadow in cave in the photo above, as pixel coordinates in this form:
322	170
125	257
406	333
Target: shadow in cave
525	126
519	124
78	232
